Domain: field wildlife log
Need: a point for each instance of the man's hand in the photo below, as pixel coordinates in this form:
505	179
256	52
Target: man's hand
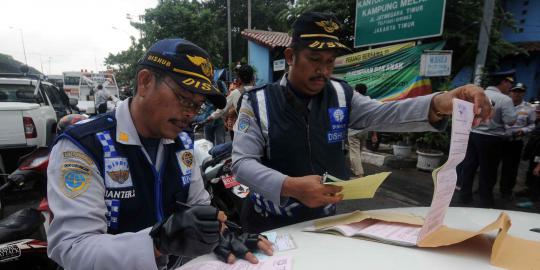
309	191
442	103
192	232
242	245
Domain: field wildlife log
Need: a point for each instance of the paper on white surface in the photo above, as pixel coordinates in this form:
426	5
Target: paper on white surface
445	183
280	242
272	263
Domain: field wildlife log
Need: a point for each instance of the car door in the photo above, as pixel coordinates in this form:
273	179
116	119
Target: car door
60	108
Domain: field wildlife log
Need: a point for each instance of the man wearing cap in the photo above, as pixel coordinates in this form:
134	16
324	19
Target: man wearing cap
123	187
484	148
291	132
513	145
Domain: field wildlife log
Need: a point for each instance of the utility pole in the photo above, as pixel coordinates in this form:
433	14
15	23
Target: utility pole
483	40
249	14
22	40
229	32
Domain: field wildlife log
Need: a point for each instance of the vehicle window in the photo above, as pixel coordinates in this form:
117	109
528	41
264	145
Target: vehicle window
53	95
17	93
71	80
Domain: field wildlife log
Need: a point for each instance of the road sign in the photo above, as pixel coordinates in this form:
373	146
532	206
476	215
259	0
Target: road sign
279	65
436	63
386	21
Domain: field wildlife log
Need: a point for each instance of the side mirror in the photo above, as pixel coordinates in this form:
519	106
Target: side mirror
73	102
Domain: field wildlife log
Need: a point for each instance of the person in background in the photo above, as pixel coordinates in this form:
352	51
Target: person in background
513	144
101	98
246	78
355	139
485	141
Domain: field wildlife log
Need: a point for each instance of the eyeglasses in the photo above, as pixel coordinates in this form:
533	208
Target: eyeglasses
187	103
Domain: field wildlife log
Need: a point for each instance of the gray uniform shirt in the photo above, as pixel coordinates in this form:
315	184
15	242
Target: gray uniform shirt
526	116
77	237
503	114
101	97
407	115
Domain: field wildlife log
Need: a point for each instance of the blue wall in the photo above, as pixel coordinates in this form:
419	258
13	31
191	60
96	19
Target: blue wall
259	57
526	14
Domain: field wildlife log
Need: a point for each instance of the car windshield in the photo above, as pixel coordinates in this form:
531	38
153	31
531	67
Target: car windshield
17	93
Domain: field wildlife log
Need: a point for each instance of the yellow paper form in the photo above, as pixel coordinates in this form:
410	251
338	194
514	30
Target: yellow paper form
361	188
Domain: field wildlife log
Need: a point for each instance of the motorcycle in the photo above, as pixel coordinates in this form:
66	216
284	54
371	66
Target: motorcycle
23	240
226	193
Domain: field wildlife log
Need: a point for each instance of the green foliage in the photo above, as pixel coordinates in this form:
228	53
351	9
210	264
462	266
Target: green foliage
201	22
429	141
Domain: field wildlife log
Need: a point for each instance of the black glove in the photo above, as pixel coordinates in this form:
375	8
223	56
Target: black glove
192	232
237	244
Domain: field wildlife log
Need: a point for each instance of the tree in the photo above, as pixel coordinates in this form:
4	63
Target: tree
202	22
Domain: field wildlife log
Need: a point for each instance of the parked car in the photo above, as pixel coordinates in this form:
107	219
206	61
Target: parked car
29	109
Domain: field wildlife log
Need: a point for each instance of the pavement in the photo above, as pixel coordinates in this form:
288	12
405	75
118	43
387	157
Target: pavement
410	187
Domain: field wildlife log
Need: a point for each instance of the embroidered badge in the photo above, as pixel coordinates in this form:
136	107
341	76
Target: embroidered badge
77	155
243	124
338	124
117	173
185	160
75	180
204	63
328	26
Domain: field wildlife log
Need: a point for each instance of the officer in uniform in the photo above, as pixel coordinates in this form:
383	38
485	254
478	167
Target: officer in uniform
123	187
484	148
512	147
291	132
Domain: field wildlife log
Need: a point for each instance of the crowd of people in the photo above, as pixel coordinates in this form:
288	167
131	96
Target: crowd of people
500	143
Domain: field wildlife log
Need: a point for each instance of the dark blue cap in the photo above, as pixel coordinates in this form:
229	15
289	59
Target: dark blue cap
318	31
187	64
504	75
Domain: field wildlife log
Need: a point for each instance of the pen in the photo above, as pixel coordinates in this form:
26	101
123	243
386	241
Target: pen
229	224
537	230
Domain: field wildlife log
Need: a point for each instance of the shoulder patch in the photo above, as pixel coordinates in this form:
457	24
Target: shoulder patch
75	179
243	124
77	156
249	113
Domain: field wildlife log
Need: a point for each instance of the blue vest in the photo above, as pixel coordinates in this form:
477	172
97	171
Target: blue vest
301	141
137	196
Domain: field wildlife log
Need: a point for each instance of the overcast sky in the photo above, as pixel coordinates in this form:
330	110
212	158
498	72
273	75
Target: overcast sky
72	34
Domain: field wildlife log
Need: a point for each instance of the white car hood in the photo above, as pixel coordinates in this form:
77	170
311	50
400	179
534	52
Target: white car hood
17	106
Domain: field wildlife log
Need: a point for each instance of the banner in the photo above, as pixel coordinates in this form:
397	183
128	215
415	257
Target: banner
355	58
391	77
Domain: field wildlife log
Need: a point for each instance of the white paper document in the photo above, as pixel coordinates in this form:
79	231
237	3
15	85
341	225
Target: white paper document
444	181
272	263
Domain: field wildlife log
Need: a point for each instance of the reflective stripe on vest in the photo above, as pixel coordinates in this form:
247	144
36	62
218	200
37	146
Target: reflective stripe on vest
263	117
340	93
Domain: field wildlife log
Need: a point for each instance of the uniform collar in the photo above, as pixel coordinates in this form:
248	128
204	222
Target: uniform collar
493	88
125	129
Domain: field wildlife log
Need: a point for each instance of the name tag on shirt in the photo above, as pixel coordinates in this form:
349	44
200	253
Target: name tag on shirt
339	119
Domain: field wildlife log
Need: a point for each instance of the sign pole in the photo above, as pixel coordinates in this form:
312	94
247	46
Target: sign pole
483	41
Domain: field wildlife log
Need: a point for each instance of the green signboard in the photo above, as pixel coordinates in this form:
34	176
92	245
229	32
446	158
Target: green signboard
385	21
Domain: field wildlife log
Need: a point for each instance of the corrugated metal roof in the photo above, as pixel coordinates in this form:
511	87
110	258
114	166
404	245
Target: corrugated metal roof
530	46
267	38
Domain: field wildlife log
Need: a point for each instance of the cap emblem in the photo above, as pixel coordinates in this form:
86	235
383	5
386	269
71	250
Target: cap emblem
202	62
328	26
